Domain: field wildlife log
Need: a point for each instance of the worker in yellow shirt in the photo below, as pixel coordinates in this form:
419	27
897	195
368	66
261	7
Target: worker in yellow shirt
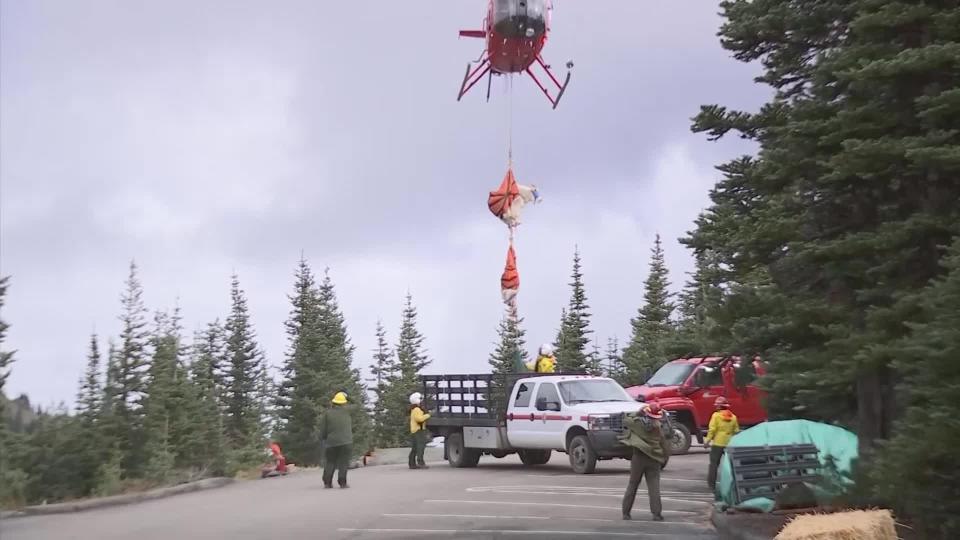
723	426
418	432
546	362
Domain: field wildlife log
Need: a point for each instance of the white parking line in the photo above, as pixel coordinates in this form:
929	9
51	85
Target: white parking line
564	490
539	504
507	531
542	518
598	477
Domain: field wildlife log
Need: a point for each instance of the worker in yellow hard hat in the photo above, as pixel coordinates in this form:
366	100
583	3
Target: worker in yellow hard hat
336	434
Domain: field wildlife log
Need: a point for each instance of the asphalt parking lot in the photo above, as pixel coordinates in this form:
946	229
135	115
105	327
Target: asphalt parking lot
498	499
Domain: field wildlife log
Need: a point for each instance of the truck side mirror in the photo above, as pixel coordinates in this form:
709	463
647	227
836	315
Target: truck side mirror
541	404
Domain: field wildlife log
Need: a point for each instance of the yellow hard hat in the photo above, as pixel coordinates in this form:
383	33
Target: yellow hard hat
340	398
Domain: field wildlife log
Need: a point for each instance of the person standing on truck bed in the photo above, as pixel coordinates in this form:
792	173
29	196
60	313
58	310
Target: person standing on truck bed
546	362
336	433
418	432
645	432
723	426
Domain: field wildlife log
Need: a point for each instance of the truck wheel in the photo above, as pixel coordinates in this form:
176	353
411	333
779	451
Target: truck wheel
583	459
499	454
680	439
458	455
532	458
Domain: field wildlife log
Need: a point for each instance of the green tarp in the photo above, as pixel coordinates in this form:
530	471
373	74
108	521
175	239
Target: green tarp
832	441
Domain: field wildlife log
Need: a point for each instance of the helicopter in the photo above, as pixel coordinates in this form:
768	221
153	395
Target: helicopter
516	31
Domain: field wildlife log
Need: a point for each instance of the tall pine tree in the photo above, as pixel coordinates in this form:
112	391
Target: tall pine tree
381	370
336	363
574	334
90	396
12	483
207	448
700	301
652	328
924	483
302	391
411	359
614	362
508	357
841	218
128	378
6	357
245	366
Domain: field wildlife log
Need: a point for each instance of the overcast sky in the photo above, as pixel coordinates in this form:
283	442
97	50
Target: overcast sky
202	138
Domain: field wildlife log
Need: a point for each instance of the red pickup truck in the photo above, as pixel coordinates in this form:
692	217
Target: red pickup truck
687	388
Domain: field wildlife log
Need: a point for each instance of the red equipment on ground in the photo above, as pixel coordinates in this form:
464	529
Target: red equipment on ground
515	31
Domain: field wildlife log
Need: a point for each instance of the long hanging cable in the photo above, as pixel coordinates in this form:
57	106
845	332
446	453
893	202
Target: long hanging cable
512	309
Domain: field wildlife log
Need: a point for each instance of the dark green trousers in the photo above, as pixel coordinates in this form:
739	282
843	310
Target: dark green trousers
642	465
337	459
418	444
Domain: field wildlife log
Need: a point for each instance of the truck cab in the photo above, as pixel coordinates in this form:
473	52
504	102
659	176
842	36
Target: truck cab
688	387
580	415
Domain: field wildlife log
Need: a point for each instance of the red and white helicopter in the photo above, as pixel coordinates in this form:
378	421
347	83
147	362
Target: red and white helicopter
516	31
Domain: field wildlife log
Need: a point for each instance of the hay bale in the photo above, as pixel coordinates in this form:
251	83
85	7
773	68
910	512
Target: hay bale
854	525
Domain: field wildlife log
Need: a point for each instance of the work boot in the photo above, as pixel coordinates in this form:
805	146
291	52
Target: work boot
328	486
657	517
627	517
344	486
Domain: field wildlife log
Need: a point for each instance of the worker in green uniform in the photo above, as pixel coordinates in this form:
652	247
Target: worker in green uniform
336	433
646	432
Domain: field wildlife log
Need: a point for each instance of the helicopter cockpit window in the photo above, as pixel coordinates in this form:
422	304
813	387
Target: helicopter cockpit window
520	18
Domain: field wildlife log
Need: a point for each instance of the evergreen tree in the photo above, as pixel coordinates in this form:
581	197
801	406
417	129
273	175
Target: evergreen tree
841	217
337	364
382	370
90	396
6	358
170	422
302	391
207	446
573	338
245	365
614	362
12	482
208	368
128	377
923	483
509	354
110	391
411	360
700	300
652	328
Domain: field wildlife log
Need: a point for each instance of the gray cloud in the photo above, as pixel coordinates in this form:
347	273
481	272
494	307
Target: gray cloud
206	138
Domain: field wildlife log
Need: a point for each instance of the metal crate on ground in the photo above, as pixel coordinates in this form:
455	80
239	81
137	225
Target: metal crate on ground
763	471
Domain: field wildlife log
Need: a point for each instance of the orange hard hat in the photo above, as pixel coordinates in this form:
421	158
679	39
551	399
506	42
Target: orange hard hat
653	410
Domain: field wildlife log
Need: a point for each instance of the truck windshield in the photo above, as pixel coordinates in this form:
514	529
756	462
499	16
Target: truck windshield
592	391
672	374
